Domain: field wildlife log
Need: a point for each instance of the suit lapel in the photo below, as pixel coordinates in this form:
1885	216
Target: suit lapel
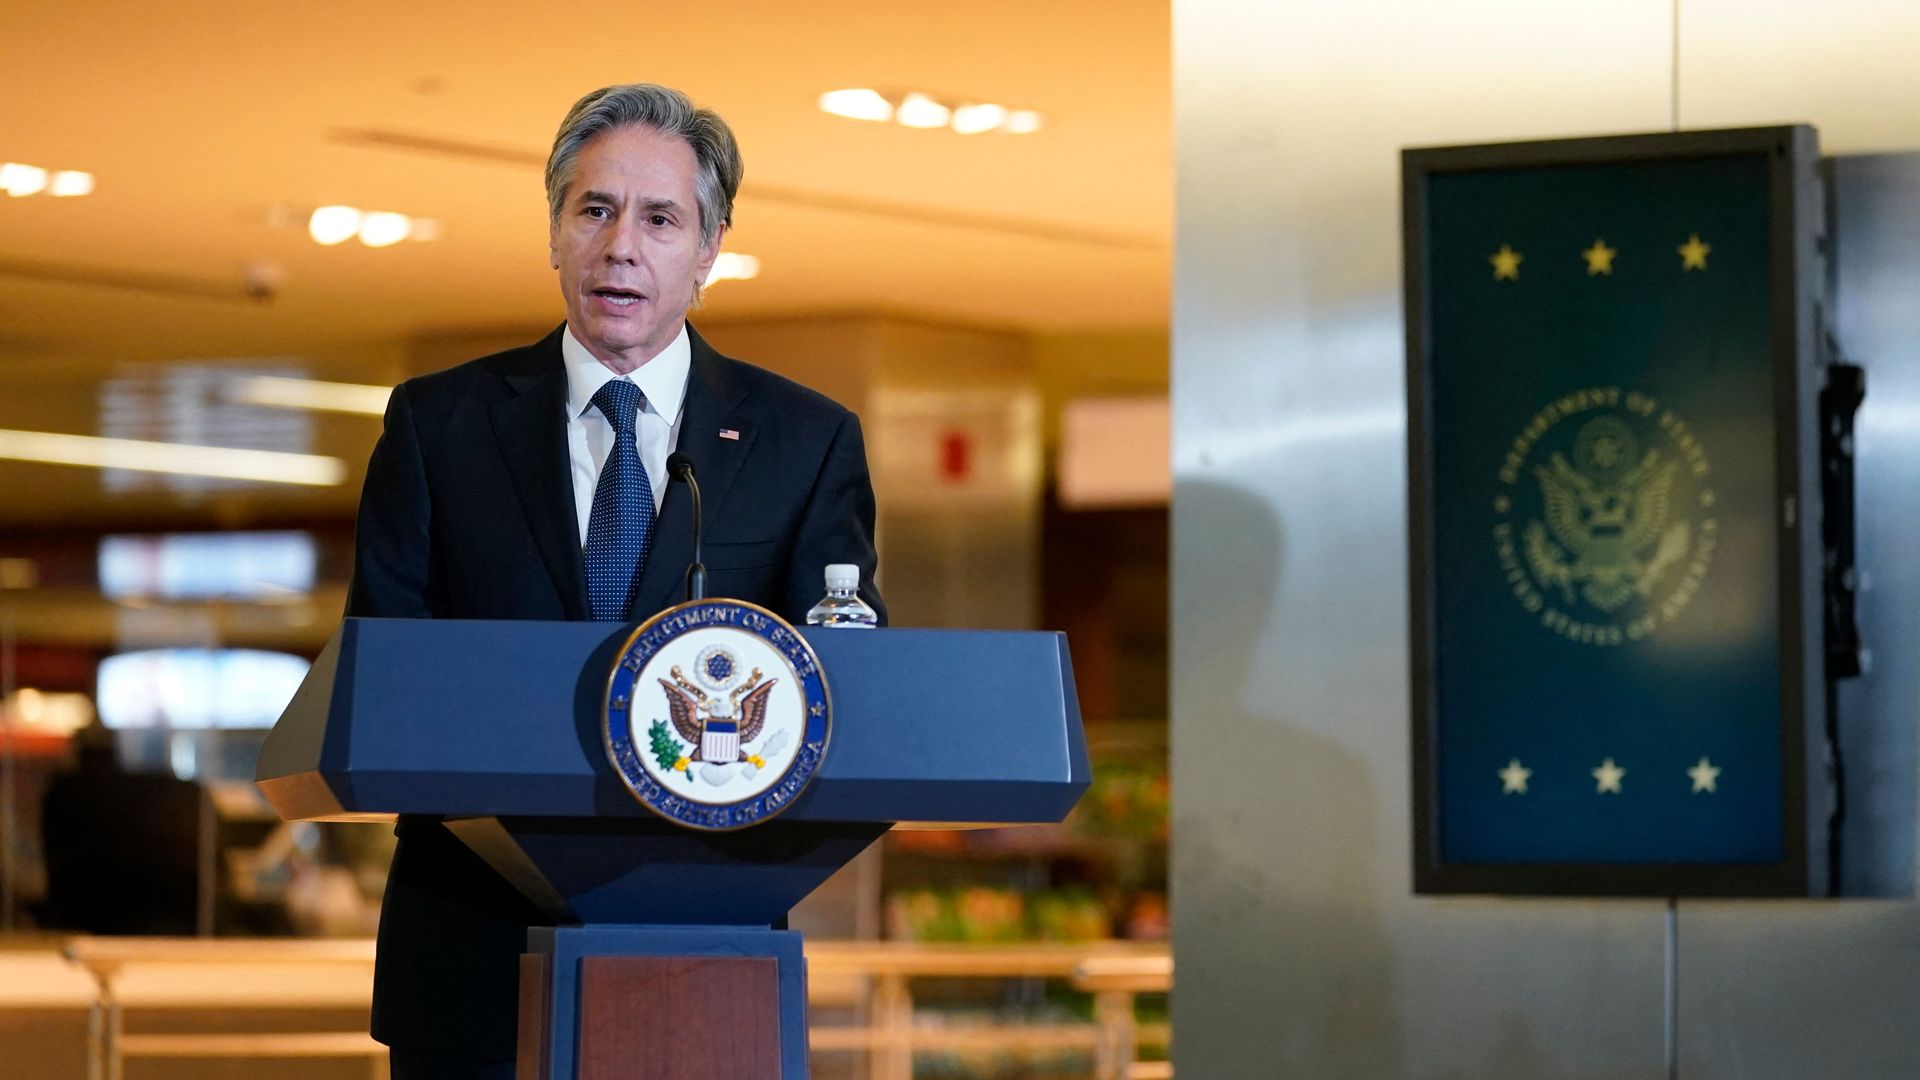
531	429
714	402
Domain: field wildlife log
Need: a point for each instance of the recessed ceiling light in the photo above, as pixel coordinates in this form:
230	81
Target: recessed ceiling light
376	228
917	110
975	119
1023	122
333	224
71	182
20	180
382	228
857	104
733	266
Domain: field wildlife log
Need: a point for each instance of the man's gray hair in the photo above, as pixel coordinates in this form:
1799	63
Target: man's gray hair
717	169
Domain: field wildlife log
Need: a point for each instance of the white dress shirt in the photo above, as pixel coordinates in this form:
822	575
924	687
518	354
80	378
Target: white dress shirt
663	381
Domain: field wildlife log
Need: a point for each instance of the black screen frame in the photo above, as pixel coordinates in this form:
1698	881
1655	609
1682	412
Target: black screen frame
1798	277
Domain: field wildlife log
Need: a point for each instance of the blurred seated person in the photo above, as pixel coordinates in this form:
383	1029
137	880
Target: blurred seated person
122	848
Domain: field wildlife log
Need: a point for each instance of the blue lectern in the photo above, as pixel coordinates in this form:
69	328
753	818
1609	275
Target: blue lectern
496	727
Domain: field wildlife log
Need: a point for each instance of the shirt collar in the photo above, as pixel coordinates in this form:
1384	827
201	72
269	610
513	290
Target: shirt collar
662	379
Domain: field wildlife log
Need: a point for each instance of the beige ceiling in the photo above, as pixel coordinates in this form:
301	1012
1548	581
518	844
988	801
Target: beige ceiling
200	118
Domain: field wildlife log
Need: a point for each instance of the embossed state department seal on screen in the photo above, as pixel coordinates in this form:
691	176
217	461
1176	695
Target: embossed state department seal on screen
717	714
1605	518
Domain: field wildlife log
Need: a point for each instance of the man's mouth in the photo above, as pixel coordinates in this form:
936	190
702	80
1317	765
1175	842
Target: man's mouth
619	297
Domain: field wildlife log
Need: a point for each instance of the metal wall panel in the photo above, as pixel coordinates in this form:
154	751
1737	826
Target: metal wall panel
1301	951
1876	323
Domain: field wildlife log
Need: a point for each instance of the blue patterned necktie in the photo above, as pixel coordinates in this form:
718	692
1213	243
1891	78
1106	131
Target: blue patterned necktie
620	528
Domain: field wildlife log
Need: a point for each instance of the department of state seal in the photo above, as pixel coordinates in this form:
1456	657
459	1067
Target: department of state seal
1605	523
716	714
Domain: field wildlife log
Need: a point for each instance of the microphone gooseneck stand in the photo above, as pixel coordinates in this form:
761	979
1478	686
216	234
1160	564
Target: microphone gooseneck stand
680	467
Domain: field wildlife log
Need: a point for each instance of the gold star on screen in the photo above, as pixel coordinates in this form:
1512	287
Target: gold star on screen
1599	258
1506	262
1706	777
1693	254
1513	778
1606	778
1516	778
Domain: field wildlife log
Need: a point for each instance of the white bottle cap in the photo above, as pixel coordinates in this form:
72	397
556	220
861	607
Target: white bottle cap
843	575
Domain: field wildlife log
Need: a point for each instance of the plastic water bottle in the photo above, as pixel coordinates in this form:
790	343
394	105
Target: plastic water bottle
842	606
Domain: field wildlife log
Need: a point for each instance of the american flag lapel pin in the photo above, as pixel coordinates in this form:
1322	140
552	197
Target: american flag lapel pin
729	433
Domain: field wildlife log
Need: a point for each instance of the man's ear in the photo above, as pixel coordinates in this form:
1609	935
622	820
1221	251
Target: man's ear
711	252
553	244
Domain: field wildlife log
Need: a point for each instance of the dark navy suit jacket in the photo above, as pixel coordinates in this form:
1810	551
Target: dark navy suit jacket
468	513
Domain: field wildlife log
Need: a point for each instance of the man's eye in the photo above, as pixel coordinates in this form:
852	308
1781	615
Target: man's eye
660	219
596	212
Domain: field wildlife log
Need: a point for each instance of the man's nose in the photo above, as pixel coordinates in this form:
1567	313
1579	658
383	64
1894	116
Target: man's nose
623	241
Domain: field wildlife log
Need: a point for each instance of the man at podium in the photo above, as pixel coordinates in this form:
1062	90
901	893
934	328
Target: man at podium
533	484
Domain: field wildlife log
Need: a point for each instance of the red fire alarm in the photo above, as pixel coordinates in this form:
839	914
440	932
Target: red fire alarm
956	457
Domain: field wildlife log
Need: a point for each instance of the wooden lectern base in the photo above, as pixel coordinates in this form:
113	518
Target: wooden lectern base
670	1016
534	1045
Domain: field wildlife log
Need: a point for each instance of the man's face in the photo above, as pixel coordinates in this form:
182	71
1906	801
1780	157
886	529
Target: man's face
627	244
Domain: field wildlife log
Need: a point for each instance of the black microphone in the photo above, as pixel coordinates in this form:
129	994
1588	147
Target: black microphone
680	467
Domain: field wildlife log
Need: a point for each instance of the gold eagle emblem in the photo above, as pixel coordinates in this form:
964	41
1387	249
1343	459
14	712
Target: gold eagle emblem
1606	529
